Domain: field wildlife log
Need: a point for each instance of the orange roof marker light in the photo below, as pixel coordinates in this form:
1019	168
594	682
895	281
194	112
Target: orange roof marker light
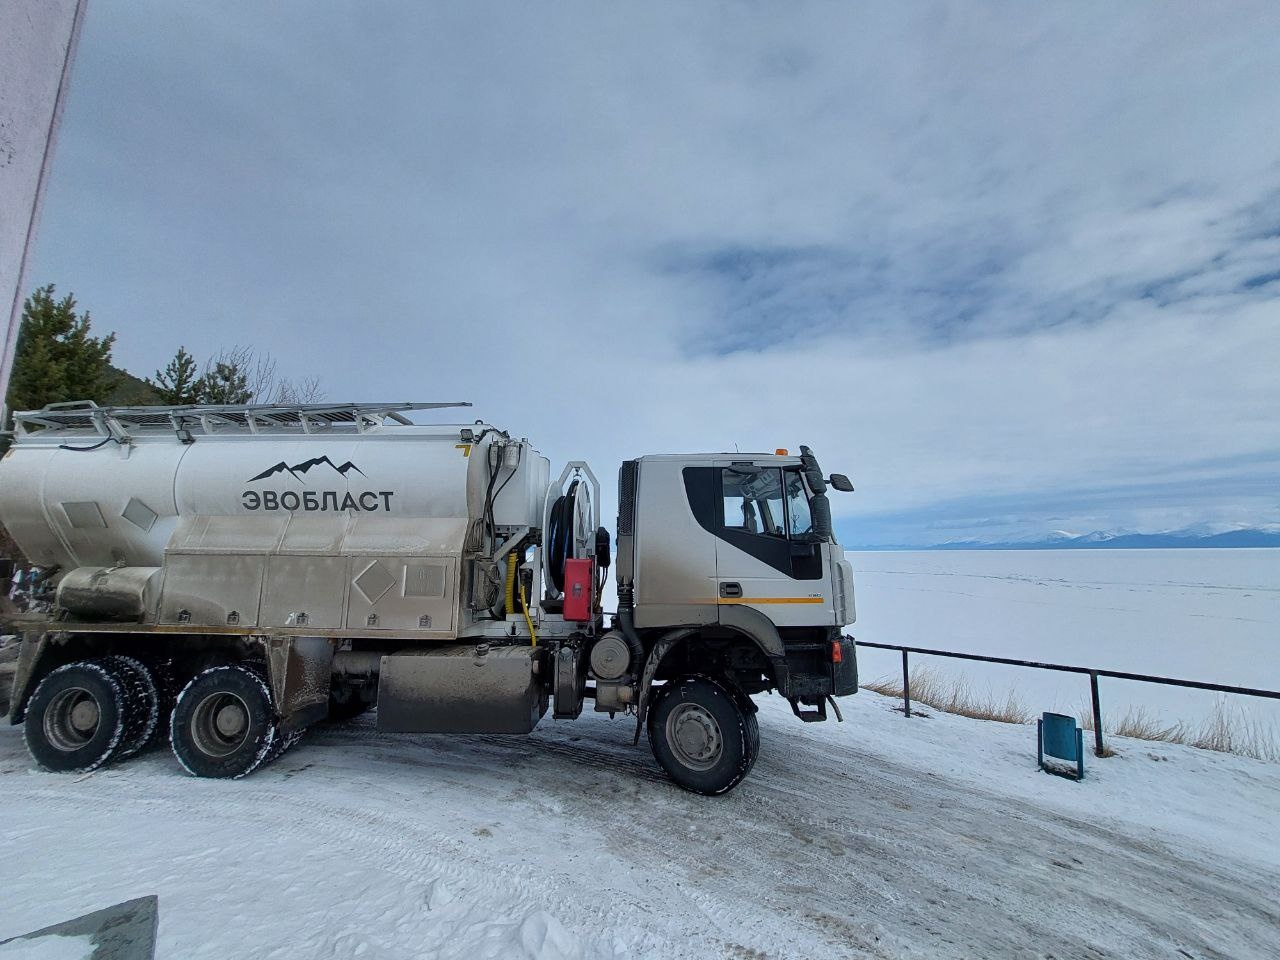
780	452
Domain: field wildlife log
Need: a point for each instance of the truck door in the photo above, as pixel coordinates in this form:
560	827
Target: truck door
766	556
675	555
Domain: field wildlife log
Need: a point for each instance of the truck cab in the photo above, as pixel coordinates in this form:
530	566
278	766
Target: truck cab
730	578
719	530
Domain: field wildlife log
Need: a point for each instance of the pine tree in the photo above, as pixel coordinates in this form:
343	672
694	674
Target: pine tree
179	382
226	383
57	359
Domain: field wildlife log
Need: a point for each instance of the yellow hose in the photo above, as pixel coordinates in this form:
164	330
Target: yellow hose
524	603
510	600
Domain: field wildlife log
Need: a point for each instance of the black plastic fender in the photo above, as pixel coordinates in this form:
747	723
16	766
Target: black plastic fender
752	624
760	629
660	650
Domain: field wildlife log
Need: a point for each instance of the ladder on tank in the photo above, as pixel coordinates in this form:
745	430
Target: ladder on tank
118	423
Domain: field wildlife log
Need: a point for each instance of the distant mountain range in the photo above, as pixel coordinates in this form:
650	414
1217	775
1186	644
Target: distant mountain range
1198	537
1126	541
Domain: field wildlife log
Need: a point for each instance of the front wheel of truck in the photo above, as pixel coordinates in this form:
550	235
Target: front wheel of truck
702	735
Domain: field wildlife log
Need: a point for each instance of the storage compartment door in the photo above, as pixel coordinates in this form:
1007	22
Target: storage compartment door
212	590
403	593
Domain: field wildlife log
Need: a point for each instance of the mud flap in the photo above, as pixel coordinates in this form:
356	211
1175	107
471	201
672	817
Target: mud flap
300	669
844	673
27	672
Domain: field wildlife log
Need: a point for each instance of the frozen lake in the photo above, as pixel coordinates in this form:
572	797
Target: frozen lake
1210	615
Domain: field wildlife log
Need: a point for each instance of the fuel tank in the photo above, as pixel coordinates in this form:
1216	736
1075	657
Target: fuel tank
72	499
109	593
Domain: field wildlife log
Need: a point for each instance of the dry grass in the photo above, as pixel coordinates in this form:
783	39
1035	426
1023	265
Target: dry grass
954	695
1231	728
1137	723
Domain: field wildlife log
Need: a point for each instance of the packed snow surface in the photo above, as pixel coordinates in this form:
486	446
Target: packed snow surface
934	836
51	947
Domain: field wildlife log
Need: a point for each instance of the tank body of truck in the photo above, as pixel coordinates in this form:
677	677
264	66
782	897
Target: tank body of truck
227	576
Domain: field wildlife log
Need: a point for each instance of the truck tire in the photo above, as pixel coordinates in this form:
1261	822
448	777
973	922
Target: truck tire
141	703
223	724
702	735
76	718
283	743
753	729
168	686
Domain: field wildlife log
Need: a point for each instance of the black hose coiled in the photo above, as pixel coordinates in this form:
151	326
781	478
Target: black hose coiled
559	534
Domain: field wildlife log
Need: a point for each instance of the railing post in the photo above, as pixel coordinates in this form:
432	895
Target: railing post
906	686
1097	713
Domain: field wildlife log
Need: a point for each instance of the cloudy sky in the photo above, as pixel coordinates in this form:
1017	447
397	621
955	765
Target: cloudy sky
1014	268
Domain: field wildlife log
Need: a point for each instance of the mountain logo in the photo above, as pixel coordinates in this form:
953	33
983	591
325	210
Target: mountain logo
305	466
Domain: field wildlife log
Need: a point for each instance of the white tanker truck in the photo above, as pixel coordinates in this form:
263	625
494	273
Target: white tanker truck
227	575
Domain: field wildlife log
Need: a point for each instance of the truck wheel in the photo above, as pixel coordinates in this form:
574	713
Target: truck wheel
702	735
76	718
222	723
141	703
753	728
168	685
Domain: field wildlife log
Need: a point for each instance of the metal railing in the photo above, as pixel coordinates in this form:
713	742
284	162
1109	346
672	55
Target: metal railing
1092	672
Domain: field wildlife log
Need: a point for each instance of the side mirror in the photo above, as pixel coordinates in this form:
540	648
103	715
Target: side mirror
840	482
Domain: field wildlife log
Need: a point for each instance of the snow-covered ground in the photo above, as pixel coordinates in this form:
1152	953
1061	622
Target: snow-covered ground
1197	614
881	837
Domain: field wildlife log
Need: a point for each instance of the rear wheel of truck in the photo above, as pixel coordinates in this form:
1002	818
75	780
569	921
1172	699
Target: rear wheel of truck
702	735
141	703
168	685
76	718
222	723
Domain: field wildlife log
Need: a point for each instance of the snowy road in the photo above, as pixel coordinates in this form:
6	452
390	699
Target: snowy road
883	837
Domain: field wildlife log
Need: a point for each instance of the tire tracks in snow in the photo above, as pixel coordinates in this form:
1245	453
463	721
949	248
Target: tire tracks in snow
870	847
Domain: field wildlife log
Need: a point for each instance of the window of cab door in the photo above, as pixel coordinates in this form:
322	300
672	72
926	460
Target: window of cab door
753	508
766	501
752	500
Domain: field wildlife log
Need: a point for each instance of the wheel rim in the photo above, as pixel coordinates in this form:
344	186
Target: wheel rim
72	719
220	724
694	736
